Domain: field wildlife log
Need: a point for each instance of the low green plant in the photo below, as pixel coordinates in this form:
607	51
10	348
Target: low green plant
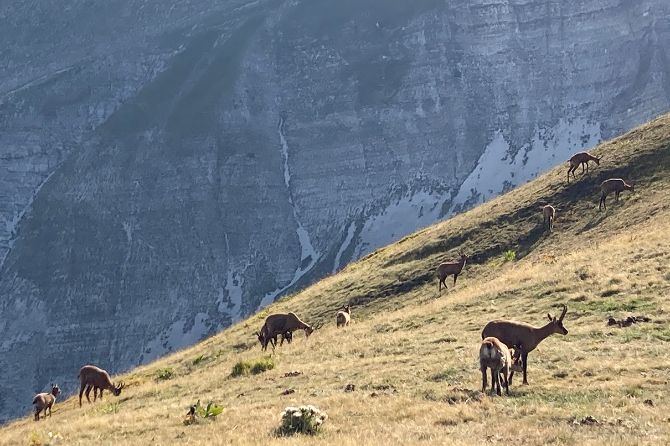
199	411
509	255
301	420
253	367
199	359
165	373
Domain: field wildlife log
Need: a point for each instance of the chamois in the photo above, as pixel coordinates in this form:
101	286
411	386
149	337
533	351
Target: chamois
616	185
581	158
549	214
288	337
92	377
446	269
44	401
276	324
519	335
495	355
343	317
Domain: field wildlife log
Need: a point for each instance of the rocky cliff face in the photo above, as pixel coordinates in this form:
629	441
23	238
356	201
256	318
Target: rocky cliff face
167	167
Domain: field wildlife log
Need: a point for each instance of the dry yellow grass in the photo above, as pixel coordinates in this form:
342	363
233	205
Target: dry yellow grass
412	354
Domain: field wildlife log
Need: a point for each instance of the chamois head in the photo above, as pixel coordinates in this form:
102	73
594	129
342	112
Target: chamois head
632	186
55	390
597	160
260	337
117	389
463	257
557	324
346	308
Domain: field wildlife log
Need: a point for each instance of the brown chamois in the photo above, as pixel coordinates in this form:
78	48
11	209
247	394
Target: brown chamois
44	401
616	185
549	214
276	324
343	317
525	337
92	377
581	158
288	337
446	269
495	355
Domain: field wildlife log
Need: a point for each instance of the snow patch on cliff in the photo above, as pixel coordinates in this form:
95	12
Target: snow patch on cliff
307	251
404	216
175	337
351	230
497	170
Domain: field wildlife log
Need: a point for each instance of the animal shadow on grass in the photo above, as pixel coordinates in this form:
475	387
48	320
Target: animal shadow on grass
593	222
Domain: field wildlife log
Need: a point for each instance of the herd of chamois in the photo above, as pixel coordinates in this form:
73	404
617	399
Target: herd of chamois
499	337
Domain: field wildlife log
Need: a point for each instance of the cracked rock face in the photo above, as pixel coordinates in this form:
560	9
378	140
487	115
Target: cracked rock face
167	167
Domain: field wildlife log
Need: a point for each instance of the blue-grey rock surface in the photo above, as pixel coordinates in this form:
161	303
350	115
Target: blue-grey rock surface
167	167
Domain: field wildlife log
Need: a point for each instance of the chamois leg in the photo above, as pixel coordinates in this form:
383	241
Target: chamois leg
483	369
602	202
37	414
616	195
505	380
524	358
95	394
87	393
101	394
81	392
455	276
587	166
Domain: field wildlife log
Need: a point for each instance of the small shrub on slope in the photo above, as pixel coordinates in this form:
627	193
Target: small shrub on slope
301	420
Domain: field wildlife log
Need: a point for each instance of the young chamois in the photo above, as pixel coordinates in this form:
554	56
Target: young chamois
44	401
549	214
495	355
616	185
276	324
446	269
343	317
522	336
581	158
288	337
92	377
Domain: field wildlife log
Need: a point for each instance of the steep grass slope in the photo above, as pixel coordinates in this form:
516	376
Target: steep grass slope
412	354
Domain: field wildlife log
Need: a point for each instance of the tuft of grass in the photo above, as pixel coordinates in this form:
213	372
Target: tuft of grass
509	255
165	373
252	367
301	420
199	359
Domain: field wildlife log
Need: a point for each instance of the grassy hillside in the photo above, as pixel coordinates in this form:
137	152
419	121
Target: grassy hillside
412	354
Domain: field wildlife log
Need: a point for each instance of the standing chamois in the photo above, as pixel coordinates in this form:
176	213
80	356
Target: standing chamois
343	316
581	158
446	269
92	377
44	401
616	185
524	337
495	355
549	214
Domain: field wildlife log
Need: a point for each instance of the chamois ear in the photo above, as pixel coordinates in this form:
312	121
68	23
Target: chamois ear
550	318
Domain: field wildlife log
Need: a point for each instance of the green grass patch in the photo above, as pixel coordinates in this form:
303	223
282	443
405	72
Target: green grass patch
567	399
165	373
253	367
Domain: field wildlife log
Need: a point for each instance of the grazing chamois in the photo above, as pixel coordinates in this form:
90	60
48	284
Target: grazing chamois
581	158
495	355
616	185
92	377
522	336
343	317
276	324
446	269
44	401
549	214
